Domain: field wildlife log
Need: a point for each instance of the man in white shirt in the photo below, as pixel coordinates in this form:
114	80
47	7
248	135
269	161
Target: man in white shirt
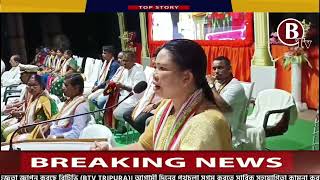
13	75
134	75
230	97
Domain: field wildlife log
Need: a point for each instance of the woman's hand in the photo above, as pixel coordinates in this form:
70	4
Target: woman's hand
100	146
17	114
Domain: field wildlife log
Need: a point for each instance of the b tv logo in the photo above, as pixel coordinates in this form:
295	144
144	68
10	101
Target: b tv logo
291	33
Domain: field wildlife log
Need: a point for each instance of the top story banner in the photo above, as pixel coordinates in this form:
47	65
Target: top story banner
159	5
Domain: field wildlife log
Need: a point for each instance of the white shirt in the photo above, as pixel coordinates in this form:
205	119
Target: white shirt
11	77
233	93
28	67
131	78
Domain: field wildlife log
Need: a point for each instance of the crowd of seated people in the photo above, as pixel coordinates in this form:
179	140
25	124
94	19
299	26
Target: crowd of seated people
55	73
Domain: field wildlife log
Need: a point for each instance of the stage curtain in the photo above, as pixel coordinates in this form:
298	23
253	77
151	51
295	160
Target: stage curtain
240	58
310	76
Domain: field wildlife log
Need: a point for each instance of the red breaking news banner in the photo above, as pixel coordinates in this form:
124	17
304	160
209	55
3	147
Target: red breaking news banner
160	162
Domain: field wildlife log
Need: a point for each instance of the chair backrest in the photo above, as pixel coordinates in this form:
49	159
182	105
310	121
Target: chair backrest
273	99
248	88
95	131
88	67
79	60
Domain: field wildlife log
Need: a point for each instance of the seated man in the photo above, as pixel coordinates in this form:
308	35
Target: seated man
138	115
134	75
76	103
13	75
109	68
230	97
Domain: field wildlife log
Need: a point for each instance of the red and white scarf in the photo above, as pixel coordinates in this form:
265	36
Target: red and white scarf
186	112
105	70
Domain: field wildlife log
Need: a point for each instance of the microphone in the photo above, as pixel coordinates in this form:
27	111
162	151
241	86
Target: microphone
137	89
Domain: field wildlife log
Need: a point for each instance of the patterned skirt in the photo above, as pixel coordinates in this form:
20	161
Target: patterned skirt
56	88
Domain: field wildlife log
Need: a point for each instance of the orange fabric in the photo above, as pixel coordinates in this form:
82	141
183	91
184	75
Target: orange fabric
240	58
310	77
283	76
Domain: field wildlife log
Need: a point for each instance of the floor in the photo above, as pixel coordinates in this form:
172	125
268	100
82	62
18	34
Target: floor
308	115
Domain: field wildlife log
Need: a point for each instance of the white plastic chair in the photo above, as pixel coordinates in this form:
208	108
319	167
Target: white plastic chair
91	73
275	109
248	88
95	131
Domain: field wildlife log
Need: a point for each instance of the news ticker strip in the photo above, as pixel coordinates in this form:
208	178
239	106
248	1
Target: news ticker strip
160	177
171	162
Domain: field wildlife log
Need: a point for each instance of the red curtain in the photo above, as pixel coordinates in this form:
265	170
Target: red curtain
310	76
240	58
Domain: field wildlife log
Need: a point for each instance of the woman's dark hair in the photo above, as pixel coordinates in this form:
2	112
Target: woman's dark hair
69	52
40	80
189	55
61	50
76	79
53	49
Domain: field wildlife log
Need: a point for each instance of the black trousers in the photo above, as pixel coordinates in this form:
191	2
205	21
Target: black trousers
140	122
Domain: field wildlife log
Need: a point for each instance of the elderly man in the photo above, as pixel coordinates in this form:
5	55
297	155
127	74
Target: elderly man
13	75
230	97
134	75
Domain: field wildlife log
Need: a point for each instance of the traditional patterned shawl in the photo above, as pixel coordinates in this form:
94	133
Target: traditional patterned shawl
44	103
105	70
49	61
64	67
33	107
59	62
187	111
145	100
118	76
68	109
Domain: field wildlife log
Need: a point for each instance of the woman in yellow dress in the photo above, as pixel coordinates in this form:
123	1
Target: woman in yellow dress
40	107
187	118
